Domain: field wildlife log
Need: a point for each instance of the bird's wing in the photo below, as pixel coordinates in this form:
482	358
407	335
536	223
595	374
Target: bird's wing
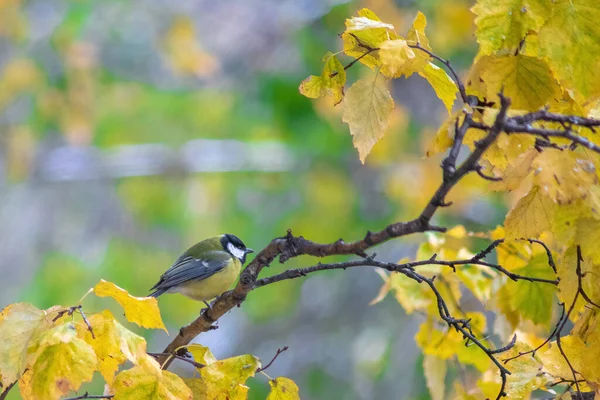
188	268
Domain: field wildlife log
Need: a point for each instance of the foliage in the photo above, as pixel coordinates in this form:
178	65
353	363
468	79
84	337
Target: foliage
536	54
51	354
532	55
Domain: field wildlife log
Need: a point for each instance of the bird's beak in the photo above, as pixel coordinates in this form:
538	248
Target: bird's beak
249	251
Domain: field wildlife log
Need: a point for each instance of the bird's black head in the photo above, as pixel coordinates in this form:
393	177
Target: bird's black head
234	246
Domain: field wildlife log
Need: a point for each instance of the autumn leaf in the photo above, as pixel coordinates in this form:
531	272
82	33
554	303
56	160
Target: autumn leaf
570	41
526	80
435	374
283	389
516	172
224	379
143	311
147	381
525	372
530	216
416	35
112	343
185	53
396	56
444	138
201	354
448	344
564	176
331	81
19	322
60	364
503	24
410	294
360	43
442	84
367	107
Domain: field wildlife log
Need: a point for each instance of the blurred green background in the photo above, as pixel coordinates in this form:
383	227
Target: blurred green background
131	130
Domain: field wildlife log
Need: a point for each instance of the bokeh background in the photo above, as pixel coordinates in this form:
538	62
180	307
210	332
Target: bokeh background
131	130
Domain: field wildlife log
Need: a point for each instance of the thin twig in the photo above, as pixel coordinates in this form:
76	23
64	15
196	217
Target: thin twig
86	395
188	360
279	351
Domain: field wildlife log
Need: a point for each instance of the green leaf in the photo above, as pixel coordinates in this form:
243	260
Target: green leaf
366	111
533	300
502	24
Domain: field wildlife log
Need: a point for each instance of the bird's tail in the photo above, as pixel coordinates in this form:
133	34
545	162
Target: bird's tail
157	292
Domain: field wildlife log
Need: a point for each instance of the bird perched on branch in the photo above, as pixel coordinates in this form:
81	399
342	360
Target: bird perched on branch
205	270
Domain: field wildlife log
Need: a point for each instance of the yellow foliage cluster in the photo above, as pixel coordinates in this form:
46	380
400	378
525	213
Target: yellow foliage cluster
50	355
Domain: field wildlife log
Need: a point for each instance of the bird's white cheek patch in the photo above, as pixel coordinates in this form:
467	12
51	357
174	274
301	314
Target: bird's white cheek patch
237	253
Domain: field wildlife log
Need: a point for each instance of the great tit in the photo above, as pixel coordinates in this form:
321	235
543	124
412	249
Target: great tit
205	270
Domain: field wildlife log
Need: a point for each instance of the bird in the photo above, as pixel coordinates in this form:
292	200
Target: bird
205	270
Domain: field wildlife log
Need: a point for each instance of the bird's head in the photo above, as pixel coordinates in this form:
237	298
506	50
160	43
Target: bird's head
234	246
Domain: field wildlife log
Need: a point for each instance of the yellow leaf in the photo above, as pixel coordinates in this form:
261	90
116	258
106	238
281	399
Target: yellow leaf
588	236
477	279
395	56
201	354
283	389
112	343
384	290
416	35
516	172
367	107
442	84
312	87
25	386
185	52
143	311
526	80
530	216
525	373
19	322
533	300
570	41
502	24
444	138
512	254
451	343
147	381
362	23
435	374
331	81
63	367
568	285
359	42
563	176
410	294
224	379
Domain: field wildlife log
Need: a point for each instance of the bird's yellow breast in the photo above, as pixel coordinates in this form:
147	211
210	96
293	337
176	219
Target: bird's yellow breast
211	287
